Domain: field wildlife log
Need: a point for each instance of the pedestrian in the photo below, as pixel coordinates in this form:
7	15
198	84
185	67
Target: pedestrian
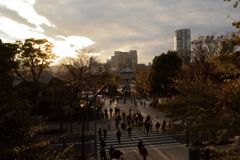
163	126
103	153
150	125
144	103
123	126
105	110
157	125
130	112
119	135
113	101
147	126
140	144
129	131
141	103
144	152
102	116
111	150
103	144
116	120
116	155
123	115
148	117
106	116
132	121
111	110
100	133
105	133
118	111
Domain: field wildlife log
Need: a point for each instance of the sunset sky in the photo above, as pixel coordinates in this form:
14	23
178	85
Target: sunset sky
108	25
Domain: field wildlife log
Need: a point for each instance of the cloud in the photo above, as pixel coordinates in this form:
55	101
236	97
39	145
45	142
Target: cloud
147	25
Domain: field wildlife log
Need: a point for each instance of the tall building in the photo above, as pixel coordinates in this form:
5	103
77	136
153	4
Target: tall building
182	39
121	60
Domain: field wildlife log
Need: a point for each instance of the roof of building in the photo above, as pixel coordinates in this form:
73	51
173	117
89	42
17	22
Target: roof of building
127	69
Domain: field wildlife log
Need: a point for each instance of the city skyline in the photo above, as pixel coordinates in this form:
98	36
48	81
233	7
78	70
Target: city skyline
107	26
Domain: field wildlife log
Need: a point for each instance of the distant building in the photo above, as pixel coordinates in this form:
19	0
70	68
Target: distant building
140	67
121	60
182	39
127	75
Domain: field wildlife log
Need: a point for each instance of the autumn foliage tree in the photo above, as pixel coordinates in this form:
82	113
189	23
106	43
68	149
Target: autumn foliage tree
142	83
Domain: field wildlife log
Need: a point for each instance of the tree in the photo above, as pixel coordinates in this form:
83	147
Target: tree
20	135
142	83
163	68
202	48
8	51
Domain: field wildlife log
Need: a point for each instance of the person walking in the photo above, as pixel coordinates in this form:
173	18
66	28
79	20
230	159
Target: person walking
144	152
105	133
111	110
123	115
123	126
102	115
140	144
100	133
144	103
119	135
163	126
157	125
102	143
103	154
116	120
111	150
147	126
129	131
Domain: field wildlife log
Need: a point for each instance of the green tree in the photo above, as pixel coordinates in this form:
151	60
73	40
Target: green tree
163	69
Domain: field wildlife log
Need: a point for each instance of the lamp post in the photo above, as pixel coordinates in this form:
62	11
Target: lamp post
84	119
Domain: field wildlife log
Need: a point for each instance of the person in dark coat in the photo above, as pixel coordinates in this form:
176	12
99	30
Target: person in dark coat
147	125
111	110
111	150
140	144
129	131
103	144
103	153
105	133
119	135
144	152
100	133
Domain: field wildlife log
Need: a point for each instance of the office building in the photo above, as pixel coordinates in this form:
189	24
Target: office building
120	60
182	39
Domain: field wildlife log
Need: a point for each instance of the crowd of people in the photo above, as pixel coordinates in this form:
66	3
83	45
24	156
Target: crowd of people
125	122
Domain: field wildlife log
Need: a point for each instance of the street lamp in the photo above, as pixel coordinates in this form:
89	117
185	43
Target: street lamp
84	119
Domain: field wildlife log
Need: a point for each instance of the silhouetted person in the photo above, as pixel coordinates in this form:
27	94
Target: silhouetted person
157	125
119	135
140	144
103	153
130	131
103	144
116	154
144	152
105	133
111	150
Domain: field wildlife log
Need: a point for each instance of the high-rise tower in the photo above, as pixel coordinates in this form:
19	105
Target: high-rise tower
182	39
